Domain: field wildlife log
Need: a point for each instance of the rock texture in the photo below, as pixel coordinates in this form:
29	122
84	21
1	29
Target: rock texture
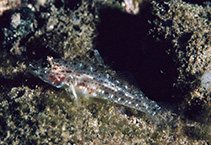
33	112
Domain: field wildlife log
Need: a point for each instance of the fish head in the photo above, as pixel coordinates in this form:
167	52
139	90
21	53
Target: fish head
52	71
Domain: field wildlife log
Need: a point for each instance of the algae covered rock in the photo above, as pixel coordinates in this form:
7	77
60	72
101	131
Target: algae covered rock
170	34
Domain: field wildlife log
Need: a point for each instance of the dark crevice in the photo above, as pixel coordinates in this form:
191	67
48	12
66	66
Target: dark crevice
68	4
124	44
199	2
19	80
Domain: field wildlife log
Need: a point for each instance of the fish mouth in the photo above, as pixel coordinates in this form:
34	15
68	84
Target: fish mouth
35	67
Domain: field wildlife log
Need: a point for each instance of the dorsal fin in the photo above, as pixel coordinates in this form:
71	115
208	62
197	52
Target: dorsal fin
128	77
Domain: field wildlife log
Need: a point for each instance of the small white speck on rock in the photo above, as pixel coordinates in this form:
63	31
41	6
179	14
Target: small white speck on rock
206	80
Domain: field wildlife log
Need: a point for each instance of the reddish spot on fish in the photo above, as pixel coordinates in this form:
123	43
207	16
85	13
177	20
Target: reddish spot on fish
56	80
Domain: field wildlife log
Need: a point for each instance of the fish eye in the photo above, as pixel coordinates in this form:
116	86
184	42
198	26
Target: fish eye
46	64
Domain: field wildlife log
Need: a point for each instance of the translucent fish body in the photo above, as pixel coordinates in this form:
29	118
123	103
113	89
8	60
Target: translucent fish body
86	80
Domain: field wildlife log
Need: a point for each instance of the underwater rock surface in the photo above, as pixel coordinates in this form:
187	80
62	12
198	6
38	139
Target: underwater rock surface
175	31
206	80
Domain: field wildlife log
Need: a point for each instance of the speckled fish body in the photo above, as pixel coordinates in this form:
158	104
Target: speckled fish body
90	82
